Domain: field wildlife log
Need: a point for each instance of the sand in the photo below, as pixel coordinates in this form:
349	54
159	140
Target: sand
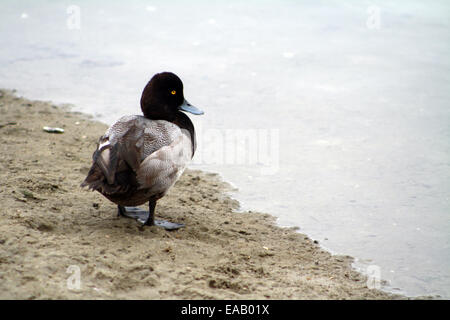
53	233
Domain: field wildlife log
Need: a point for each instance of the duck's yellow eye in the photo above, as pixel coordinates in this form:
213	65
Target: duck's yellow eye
173	92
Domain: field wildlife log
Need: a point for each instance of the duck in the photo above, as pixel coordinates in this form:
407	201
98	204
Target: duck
140	157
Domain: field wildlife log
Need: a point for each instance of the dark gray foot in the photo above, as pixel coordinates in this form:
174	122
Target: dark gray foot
133	213
147	219
168	225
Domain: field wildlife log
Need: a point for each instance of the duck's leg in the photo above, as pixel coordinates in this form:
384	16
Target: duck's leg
160	223
147	217
121	212
150	221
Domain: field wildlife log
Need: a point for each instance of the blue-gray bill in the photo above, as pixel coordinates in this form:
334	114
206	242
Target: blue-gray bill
186	106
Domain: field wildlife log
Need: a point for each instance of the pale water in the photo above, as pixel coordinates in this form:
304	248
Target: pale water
345	106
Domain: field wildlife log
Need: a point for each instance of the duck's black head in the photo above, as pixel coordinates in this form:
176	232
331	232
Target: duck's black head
163	97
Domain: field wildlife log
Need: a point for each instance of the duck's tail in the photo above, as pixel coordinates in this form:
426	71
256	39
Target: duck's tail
105	175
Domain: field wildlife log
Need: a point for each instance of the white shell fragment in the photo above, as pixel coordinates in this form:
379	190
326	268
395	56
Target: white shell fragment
53	130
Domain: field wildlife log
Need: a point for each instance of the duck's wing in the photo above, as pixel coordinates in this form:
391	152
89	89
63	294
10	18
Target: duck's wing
120	153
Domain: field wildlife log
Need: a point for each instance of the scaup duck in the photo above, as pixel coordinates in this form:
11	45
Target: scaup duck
140	157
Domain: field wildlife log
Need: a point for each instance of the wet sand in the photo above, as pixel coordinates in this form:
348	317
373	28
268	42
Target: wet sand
50	228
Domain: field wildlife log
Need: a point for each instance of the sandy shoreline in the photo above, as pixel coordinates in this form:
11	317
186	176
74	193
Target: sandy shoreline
48	223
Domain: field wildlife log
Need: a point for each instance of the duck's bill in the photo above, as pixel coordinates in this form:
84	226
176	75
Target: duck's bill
186	106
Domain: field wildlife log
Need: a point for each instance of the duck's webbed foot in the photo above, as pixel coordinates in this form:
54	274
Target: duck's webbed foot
147	218
133	213
168	225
